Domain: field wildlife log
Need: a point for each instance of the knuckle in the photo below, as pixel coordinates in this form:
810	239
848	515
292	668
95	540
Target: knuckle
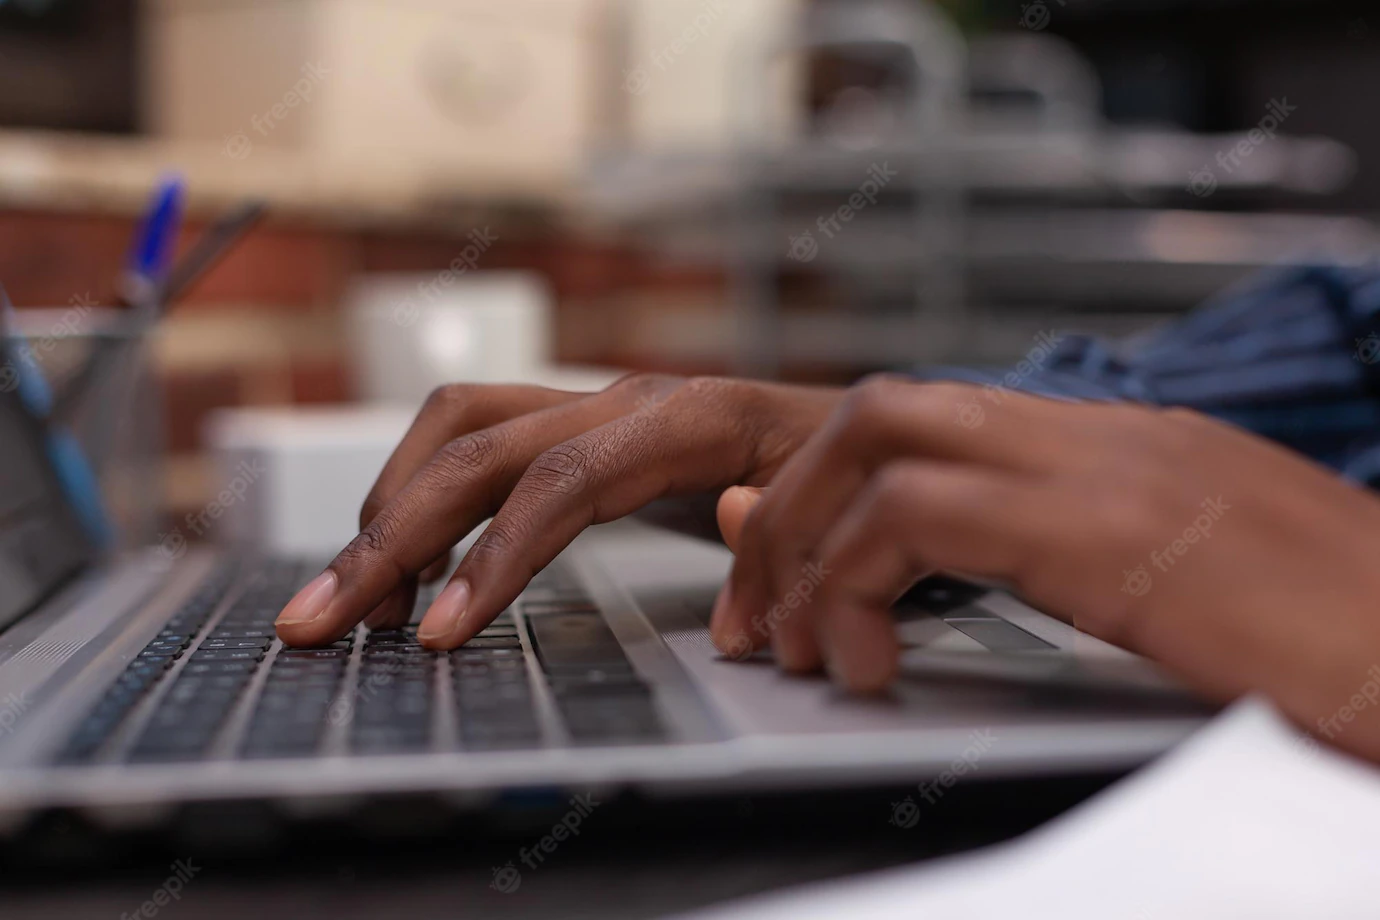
367	548
643	383
450	400
371	508
470	455
561	470
494	543
739	406
893	482
870	402
698	393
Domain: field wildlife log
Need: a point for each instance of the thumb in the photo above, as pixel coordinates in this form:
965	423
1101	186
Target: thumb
734	507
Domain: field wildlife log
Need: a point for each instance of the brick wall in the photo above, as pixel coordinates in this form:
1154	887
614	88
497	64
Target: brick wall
264	328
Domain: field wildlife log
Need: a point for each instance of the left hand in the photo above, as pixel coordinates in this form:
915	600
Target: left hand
1233	562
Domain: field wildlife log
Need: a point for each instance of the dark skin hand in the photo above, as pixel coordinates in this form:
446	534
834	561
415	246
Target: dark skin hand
545	465
1275	591
1236	564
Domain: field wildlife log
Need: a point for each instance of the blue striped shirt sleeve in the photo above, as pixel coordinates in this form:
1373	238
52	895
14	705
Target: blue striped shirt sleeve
1292	355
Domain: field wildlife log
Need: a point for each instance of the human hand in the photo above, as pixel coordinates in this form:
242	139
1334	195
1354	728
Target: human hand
1233	562
545	465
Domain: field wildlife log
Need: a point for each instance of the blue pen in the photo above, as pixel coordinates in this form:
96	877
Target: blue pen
154	242
76	474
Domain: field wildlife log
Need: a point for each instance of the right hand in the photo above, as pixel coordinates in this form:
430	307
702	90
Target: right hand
544	464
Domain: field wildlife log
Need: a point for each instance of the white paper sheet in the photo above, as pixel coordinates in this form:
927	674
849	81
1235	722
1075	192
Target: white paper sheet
1248	819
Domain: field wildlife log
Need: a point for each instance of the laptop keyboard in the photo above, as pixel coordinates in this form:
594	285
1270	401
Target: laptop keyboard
224	687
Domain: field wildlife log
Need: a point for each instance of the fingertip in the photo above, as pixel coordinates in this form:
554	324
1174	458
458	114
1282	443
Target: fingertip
304	619
446	623
860	649
735	504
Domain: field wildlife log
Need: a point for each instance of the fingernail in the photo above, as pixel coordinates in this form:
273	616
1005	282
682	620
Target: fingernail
310	602
443	618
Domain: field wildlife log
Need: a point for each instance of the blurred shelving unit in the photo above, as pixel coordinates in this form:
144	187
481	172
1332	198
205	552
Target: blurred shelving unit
1010	205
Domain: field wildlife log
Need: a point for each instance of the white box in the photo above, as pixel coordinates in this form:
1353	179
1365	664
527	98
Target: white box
474	90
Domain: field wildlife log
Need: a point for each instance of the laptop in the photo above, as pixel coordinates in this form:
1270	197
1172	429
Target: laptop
154	678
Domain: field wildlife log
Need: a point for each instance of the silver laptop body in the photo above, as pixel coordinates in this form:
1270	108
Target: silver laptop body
601	676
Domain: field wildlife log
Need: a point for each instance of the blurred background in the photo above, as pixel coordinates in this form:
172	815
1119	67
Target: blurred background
560	191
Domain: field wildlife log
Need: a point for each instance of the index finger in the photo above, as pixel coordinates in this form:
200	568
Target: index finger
465	482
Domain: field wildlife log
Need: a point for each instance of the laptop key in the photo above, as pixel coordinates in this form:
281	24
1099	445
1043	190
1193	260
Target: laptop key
494	642
261	643
219	667
228	655
575	639
999	635
322	654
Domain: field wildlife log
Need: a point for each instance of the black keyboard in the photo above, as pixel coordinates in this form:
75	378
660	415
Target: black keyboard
216	683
